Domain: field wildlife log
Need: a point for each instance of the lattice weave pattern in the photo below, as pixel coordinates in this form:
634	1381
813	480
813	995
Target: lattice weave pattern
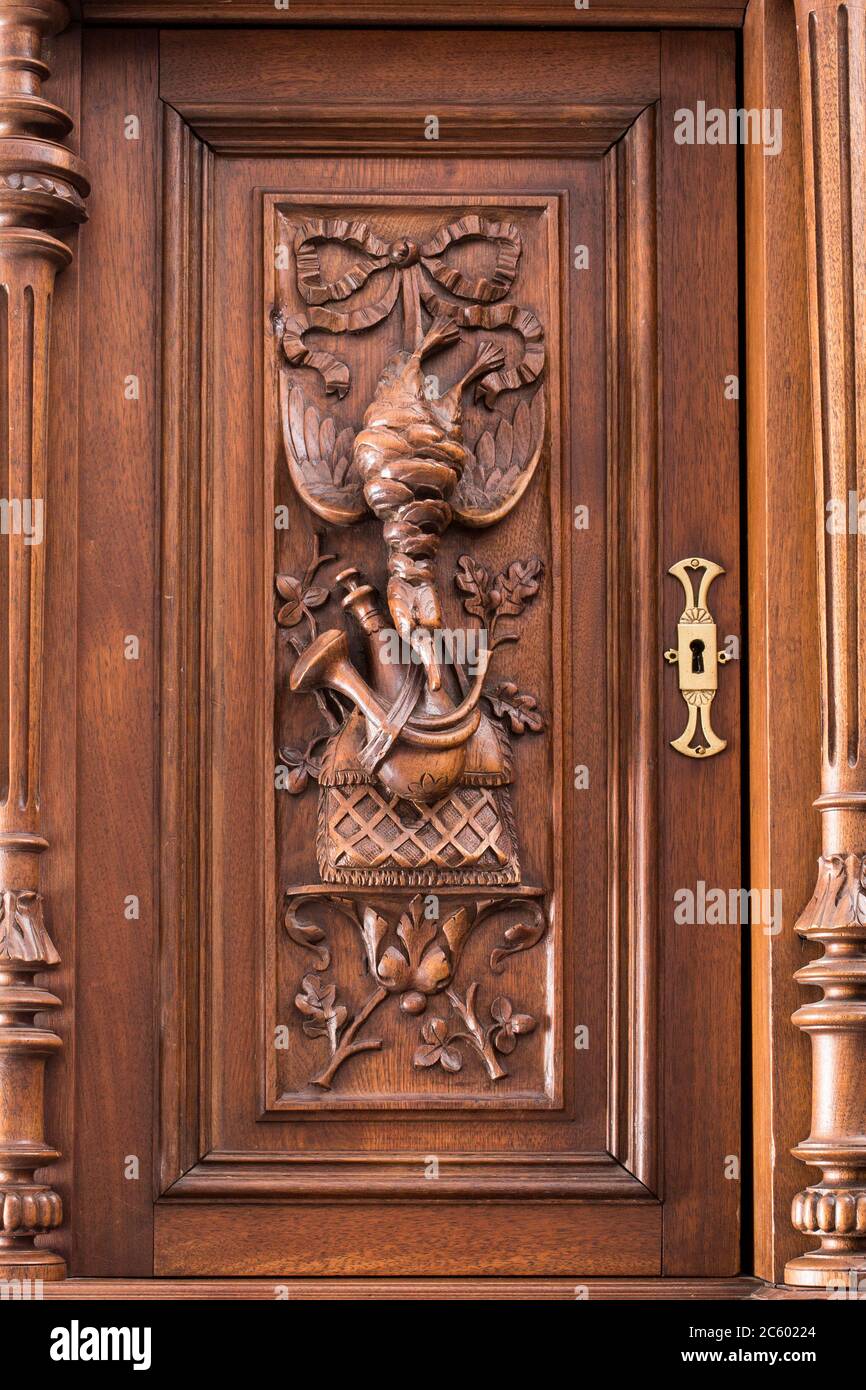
467	836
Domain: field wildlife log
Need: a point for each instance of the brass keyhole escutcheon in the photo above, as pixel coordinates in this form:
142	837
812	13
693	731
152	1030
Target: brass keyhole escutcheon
697	658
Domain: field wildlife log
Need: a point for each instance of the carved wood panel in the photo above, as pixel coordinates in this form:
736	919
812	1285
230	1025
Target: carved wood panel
377	1100
399	685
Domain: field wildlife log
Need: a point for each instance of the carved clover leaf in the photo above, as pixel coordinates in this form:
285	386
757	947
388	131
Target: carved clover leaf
301	596
292	610
511	1025
521	711
302	766
315	598
435	1035
298	600
485	1040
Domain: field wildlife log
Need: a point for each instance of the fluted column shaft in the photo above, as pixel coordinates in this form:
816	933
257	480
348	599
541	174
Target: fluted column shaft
832	48
42	186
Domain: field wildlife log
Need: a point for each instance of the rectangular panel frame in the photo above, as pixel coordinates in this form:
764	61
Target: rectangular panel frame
633	1166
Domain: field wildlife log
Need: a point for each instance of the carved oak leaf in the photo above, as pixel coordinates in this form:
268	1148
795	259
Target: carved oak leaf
501	465
521	711
473	579
320	459
323	1016
514	588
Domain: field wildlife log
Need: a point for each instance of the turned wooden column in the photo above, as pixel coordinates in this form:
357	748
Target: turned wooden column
832	47
42	186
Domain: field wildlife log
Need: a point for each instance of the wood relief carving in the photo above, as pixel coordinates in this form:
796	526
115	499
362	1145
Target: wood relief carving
413	750
42	186
832	41
409	952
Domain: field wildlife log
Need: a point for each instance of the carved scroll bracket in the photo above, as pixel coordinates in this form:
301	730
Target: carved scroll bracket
42	186
832	48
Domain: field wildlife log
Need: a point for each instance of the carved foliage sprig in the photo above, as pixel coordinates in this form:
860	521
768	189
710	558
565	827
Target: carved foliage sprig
486	1040
423	965
299	598
323	1016
493	598
490	598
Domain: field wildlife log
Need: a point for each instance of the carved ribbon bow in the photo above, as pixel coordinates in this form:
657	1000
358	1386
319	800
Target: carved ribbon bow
406	260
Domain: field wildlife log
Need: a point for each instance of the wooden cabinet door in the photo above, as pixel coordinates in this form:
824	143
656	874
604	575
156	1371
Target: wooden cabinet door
438	336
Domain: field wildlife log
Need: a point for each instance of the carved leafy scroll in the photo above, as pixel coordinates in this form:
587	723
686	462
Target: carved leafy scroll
412	956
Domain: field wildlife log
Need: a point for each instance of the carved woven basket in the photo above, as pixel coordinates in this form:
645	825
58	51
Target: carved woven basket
466	838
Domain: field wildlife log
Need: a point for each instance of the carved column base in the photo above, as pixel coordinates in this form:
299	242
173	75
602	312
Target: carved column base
837	1216
834	1209
27	1208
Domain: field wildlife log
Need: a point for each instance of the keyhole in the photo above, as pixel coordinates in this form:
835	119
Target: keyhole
697	650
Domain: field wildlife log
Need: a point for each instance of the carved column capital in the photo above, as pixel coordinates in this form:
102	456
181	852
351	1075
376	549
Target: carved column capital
42	183
42	187
832	49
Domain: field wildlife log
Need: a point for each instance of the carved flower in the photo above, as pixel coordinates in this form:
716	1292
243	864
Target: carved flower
430	953
426	785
